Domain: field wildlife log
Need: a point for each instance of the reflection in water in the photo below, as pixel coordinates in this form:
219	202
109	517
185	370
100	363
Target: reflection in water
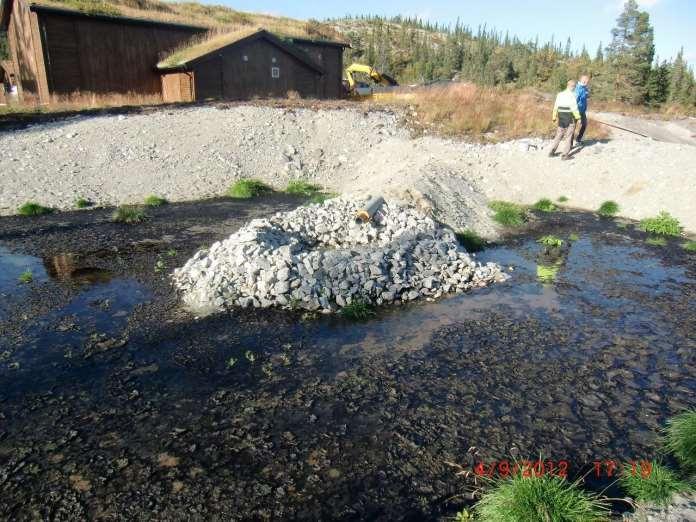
548	274
67	267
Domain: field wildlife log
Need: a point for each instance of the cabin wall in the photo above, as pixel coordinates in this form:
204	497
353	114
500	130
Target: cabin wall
330	58
23	51
228	74
105	56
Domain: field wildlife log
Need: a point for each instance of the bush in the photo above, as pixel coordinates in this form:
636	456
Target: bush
130	214
534	499
302	188
608	209
155	201
551	241
657	487
680	438
33	209
545	205
83	203
470	240
508	214
26	277
248	188
663	224
358	310
689	246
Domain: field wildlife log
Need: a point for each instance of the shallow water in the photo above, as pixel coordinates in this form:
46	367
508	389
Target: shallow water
578	358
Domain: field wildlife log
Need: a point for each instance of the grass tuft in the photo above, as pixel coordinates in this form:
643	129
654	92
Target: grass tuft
664	225
680	438
470	240
31	208
562	199
545	205
320	197
656	487
608	209
689	246
155	201
534	499
508	214
26	277
302	188
551	241
83	203
358	310
656	241
129	214
248	188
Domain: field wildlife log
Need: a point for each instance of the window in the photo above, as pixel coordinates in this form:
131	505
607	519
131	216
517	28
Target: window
245	58
273	60
275	72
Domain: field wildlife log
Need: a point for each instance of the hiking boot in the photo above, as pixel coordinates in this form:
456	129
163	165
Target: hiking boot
552	154
566	157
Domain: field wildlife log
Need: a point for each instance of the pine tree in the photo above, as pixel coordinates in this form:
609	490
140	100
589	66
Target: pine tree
599	56
658	84
678	85
631	53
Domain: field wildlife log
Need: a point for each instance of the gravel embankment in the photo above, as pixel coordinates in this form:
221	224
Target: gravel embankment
197	152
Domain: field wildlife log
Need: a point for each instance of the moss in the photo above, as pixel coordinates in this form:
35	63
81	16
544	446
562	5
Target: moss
33	209
129	214
248	188
608	209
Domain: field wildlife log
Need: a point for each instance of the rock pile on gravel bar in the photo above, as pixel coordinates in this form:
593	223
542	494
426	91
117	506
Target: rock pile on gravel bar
318	258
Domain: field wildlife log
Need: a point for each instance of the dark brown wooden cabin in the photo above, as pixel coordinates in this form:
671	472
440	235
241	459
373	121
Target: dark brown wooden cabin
258	64
59	51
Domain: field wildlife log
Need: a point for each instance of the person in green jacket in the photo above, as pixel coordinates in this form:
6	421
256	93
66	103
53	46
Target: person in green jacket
565	115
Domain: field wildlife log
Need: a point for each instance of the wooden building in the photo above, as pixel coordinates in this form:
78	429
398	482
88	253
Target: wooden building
61	51
252	64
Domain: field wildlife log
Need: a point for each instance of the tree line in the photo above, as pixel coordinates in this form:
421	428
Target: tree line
626	70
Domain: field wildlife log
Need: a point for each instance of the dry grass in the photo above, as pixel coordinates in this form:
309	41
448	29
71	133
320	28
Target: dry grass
663	112
192	13
203	44
83	101
485	113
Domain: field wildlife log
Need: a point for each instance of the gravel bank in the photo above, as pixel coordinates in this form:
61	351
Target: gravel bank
197	152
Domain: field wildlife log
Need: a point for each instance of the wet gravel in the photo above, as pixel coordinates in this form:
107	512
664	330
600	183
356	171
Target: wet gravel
116	404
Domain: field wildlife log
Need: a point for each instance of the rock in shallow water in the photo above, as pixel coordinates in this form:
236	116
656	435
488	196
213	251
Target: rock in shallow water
318	257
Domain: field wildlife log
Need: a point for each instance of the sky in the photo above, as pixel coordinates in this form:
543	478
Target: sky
587	22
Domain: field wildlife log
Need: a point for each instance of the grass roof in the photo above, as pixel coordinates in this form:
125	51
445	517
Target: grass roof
215	17
201	46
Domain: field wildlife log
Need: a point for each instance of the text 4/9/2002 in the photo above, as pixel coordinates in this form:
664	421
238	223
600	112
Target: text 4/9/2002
539	468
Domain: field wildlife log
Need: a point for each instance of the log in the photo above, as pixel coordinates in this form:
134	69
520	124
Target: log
368	211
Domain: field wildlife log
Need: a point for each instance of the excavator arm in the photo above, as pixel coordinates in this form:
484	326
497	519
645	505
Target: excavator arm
374	74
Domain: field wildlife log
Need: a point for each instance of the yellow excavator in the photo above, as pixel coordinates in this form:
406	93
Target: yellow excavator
358	88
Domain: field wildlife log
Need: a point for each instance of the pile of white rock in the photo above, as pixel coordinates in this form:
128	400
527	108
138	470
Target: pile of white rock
320	259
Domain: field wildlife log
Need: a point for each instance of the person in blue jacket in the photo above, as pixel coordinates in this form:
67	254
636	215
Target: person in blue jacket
582	93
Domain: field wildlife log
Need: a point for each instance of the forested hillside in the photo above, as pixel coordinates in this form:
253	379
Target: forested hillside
627	70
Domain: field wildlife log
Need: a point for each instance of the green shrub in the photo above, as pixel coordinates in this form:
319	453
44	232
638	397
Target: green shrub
656	487
83	203
26	277
33	209
663	224
358	310
545	205
689	246
508	214
248	188
562	199
470	240
656	241
680	438
608	209
155	201
551	241
130	214
534	499
302	188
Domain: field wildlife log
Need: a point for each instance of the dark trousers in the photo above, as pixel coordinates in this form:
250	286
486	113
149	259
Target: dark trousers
583	126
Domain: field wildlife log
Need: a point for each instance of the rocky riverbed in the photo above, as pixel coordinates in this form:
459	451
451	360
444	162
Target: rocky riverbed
115	403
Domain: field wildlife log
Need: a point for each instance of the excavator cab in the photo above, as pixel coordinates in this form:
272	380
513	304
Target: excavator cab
356	87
